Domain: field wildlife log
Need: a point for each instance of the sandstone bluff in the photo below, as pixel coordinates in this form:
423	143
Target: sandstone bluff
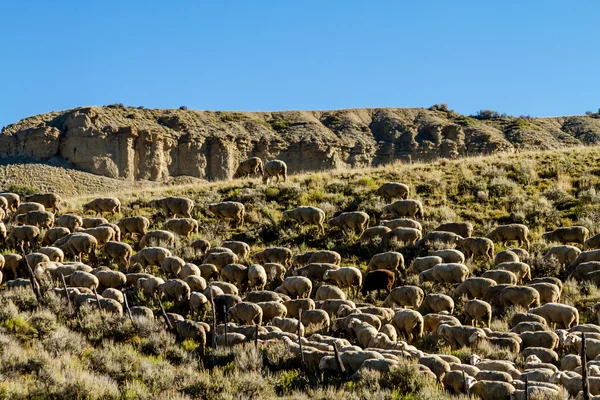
152	144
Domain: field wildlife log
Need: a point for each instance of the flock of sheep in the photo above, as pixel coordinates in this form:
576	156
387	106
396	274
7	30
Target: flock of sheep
314	303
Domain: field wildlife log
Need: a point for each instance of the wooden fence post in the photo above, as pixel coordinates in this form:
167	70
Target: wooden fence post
213	337
66	290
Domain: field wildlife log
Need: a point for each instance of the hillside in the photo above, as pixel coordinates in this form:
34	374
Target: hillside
53	351
154	145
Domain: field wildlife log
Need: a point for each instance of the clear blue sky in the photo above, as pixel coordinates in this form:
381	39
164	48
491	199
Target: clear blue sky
519	57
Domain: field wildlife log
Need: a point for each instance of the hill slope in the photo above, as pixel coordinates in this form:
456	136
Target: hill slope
152	144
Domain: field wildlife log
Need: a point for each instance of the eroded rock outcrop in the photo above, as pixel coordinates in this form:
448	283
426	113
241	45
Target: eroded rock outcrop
146	144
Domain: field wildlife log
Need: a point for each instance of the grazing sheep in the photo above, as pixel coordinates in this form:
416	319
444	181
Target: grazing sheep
24	208
195	282
525	317
501	276
392	190
53	234
403	235
48	200
295	287
563	254
568	234
245	313
306	215
69	221
149	286
523	296
439	239
272	309
405	296
506	256
328	292
174	289
380	279
157	238
82	279
117	251
251	166
332	306
259	296
549	292
506	233
509	343
220	260
573	383
391	261
421	264
521	270
103	234
586	256
375	233
445	273
474	247
275	272
363	331
456	336
280	255
181	226
114	294
240	249
130	225
450	256
26	235
560	314
581	271
409	323
209	271
463	229
150	256
492	390
401	223
200	246
102	205
315	320
53	253
41	219
79	244
436	303
294	306
257	276
457	381
12	200
93	222
229	210
403	208
236	274
142	312
432	321
274	169
111	279
435	364
473	288
523	327
345	277
289	325
355	221
226	287
478	311
174	206
545	339
188	329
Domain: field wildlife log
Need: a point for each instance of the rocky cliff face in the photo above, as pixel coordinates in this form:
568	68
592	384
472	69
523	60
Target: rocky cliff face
148	144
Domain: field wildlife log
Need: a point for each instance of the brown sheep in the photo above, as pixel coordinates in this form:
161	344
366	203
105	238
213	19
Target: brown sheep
280	255
405	296
93	222
26	235
41	219
102	205
274	169
229	210
380	279
473	247
251	166
13	201
200	246
117	252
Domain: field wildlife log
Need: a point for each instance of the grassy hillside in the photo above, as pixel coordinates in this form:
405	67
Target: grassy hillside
50	352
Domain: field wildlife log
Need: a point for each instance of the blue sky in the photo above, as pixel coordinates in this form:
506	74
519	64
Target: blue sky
518	57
